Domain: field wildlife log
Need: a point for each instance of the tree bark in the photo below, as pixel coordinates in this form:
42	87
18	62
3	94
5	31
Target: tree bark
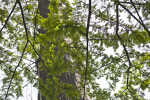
43	11
66	77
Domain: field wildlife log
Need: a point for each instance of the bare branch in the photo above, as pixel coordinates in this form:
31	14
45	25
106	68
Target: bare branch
42	61
101	39
35	26
25	27
107	64
134	3
16	69
117	30
87	38
122	92
9	15
138	13
135	18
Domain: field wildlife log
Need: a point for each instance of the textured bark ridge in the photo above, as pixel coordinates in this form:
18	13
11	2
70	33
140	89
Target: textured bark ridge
43	8
66	77
43	11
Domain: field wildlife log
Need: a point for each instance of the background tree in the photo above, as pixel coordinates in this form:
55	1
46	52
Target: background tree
64	74
92	28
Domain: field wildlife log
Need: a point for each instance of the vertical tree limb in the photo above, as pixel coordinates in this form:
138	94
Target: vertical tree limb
125	49
87	39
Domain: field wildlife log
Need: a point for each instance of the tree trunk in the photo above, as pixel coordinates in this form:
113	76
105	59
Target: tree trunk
66	77
43	11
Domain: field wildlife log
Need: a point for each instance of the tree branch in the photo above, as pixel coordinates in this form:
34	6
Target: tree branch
101	39
121	92
117	30
16	69
9	15
42	61
135	18
25	27
107	64
138	14
87	38
134	3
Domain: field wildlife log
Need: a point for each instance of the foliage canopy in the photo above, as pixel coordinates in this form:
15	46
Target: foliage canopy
85	31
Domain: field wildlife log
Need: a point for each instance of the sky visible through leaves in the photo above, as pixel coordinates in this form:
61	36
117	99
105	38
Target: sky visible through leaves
109	38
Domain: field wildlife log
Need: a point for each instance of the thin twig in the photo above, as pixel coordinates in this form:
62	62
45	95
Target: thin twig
139	4
121	92
42	61
35	26
138	13
15	70
135	18
101	39
117	30
107	64
9	15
